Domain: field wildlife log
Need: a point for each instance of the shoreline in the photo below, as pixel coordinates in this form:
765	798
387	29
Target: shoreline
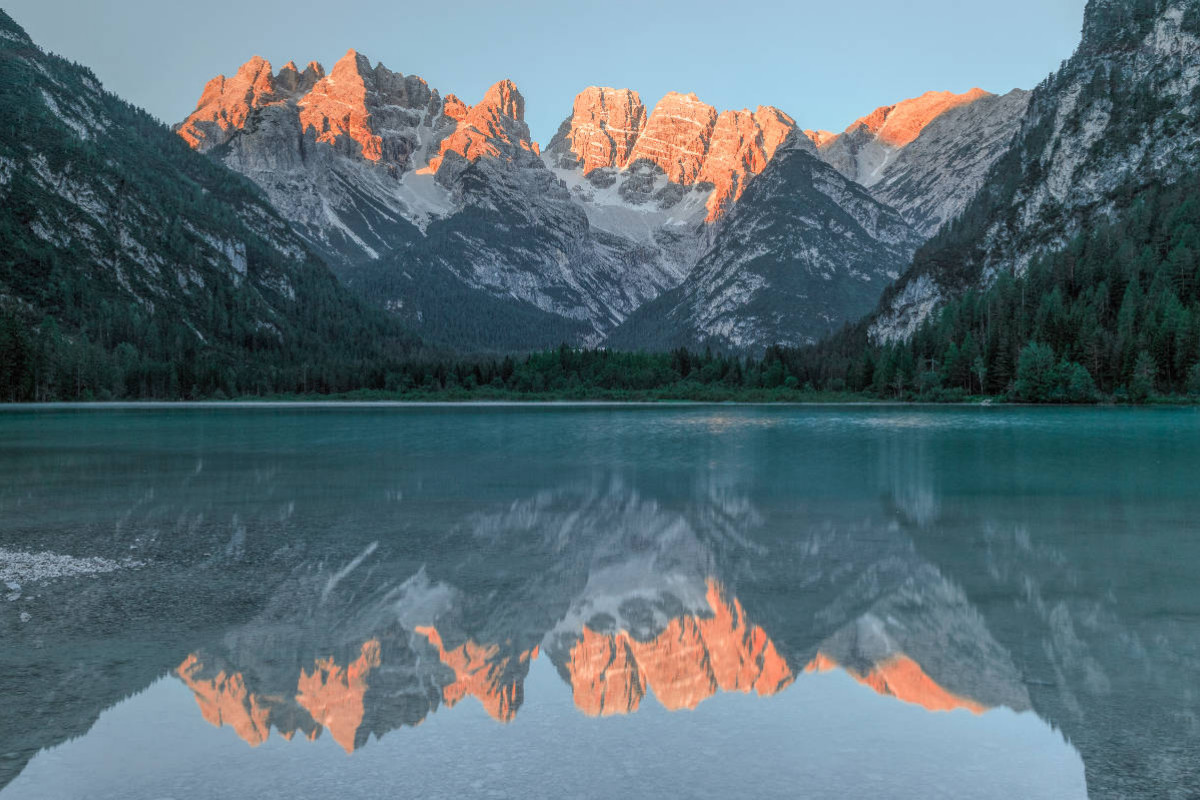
559	403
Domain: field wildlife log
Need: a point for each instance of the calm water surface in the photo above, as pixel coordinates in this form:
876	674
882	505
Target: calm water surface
599	602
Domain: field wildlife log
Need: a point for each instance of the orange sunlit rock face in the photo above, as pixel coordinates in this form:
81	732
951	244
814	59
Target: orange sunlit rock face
676	136
481	672
337	106
224	700
901	124
605	124
227	102
492	128
900	677
354	107
684	665
334	695
683	136
742	144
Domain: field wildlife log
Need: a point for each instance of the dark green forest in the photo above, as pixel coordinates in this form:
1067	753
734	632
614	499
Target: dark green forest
1115	314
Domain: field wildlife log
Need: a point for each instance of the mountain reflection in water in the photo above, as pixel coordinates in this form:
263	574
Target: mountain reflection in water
648	617
720	560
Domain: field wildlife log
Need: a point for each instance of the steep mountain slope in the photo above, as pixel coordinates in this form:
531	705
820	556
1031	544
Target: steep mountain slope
443	213
804	251
660	181
932	179
135	267
927	157
864	150
1119	115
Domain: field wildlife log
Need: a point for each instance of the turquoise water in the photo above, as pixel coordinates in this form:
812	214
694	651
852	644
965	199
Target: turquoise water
697	601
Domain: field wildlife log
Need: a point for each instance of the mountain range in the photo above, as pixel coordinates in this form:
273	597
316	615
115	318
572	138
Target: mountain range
629	214
637	227
630	593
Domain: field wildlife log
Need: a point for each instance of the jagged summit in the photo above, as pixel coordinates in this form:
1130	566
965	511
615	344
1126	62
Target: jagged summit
362	110
602	129
684	138
493	128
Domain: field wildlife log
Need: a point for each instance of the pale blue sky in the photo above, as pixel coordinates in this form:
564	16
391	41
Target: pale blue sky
825	63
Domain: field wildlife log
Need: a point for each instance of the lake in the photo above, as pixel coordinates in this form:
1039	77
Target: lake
595	601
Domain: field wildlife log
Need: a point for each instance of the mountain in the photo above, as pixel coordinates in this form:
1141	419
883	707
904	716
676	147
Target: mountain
132	266
683	153
450	217
933	178
443	213
927	157
804	251
328	150
1114	120
661	181
864	150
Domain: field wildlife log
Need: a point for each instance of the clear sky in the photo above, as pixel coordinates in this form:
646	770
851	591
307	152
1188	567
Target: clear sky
825	63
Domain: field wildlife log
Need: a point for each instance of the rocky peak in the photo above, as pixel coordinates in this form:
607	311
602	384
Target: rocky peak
931	180
226	103
864	150
292	81
503	100
900	124
602	129
776	127
741	145
357	108
495	127
337	106
683	139
676	136
820	138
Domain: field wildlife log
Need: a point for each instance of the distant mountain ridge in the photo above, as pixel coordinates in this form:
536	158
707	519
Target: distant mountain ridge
636	227
447	215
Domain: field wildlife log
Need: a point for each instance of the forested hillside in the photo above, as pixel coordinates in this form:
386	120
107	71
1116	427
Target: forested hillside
1117	311
134	267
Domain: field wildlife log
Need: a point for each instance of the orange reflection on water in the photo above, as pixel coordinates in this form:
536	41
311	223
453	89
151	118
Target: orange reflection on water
333	695
684	665
224	700
478	672
900	677
690	660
